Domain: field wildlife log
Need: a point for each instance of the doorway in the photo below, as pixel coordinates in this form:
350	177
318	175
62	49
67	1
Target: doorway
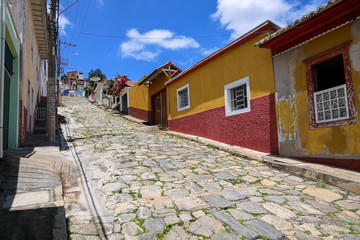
6	109
159	109
124	104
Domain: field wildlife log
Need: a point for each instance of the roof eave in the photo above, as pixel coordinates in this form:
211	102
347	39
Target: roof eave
157	73
309	27
38	8
260	29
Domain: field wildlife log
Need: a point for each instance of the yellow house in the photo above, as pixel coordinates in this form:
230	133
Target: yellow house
229	96
139	101
317	80
149	99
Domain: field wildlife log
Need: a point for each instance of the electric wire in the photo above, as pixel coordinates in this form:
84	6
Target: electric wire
82	25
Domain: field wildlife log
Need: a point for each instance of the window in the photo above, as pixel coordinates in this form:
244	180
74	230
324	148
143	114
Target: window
183	98
330	88
9	58
32	47
237	97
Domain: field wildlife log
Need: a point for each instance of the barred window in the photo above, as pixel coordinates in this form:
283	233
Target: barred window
237	97
183	97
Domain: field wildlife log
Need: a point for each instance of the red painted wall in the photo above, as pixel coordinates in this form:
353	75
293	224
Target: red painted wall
139	113
254	130
43	99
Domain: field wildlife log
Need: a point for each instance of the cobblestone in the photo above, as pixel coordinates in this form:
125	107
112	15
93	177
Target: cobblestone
157	185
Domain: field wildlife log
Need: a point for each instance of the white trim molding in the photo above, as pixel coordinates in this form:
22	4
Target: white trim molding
179	97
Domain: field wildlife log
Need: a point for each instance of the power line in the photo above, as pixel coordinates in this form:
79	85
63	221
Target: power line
144	38
75	23
87	68
82	25
125	37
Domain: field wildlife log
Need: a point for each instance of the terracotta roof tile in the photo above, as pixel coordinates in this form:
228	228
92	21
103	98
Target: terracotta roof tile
299	21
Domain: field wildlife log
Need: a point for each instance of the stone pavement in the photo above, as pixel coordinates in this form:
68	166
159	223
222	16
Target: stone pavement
135	183
343	178
31	201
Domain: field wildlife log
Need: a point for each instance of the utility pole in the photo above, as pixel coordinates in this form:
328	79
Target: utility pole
59	63
51	109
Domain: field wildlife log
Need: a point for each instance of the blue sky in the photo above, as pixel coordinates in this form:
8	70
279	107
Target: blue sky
133	37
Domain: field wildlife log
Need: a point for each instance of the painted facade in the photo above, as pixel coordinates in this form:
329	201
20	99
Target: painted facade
149	101
118	103
210	83
139	102
30	21
121	102
317	81
99	92
9	80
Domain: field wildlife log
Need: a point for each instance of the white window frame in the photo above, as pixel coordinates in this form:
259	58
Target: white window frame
330	102
228	87
179	100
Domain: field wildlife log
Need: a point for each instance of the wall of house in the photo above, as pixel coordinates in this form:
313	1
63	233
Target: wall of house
13	41
29	65
139	102
158	85
295	136
206	116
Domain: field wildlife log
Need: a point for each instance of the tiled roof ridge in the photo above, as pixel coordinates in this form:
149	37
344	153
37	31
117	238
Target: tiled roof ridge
299	21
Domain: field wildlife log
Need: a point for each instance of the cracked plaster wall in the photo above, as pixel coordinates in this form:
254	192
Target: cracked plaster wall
295	136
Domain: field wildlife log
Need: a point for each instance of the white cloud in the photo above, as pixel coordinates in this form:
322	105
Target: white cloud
100	3
185	63
207	52
63	23
241	16
148	46
136	50
302	10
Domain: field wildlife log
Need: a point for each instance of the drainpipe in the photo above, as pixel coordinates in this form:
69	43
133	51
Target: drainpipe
2	59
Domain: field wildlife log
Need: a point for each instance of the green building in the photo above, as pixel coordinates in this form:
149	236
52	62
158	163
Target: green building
9	80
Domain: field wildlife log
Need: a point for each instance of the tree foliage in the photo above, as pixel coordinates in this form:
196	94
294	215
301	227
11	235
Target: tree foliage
87	90
96	73
64	77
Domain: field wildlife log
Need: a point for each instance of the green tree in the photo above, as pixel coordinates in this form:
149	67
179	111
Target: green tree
96	73
64	78
87	90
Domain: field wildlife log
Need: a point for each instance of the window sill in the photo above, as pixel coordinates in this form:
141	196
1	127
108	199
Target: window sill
232	113
183	108
349	121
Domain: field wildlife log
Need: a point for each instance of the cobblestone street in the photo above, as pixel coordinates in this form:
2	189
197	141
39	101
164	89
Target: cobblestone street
135	184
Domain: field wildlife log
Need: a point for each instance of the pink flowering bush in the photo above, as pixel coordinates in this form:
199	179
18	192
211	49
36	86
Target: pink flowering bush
115	86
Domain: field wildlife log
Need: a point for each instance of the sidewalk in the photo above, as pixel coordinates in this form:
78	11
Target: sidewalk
31	201
343	178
